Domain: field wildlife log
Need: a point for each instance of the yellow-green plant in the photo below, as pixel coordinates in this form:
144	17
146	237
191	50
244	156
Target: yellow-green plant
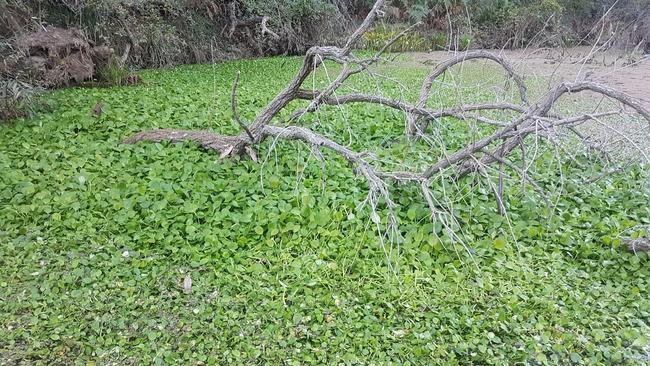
376	38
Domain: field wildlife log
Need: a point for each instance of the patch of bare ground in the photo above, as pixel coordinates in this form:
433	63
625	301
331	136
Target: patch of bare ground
621	136
629	73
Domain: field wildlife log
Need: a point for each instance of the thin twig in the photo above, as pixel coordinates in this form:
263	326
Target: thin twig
233	105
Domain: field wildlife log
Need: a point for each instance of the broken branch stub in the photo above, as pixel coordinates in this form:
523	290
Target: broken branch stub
249	22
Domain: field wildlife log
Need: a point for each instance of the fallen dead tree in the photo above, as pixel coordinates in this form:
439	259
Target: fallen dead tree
493	149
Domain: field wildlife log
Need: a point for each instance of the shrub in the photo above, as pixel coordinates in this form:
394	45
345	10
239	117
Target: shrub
170	32
438	40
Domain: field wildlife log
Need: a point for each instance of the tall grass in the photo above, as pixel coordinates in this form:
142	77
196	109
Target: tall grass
17	99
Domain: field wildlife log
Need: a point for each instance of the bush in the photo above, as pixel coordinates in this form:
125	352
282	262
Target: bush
513	25
171	32
520	23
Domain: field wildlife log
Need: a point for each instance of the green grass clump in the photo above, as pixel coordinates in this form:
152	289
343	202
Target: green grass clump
18	99
97	236
112	73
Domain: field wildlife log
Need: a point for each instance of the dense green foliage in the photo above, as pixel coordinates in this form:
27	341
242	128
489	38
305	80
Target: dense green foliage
526	23
96	237
170	32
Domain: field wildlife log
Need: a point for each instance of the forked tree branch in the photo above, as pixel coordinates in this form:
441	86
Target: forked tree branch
233	106
494	147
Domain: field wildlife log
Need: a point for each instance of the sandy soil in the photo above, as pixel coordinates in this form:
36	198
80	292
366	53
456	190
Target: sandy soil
628	73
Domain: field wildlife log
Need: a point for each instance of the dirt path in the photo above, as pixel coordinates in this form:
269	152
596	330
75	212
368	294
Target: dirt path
630	74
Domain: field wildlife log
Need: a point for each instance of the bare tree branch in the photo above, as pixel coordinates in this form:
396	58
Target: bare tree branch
445	65
265	28
492	147
233	105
